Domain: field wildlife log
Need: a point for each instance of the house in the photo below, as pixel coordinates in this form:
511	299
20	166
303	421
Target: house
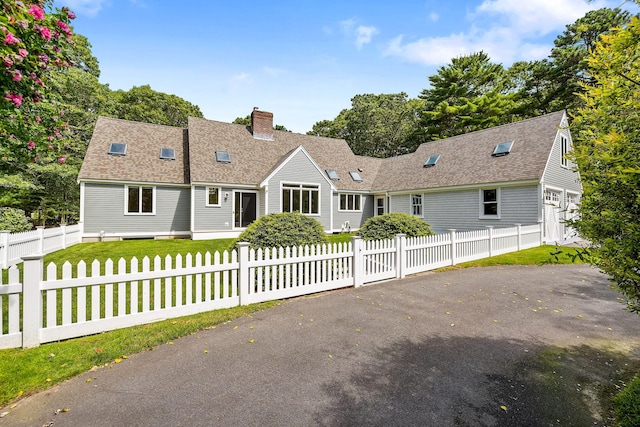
212	179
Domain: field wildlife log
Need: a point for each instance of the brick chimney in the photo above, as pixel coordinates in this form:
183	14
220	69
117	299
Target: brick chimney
261	124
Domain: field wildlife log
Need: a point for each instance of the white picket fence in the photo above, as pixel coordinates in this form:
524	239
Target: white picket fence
54	303
40	241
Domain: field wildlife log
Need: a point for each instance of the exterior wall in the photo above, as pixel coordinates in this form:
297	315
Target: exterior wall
356	219
104	207
558	176
460	209
300	170
212	218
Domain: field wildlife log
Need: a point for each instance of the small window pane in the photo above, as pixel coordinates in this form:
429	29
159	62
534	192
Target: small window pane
431	161
118	149
502	149
167	154
343	202
490	195
133	204
315	202
332	174
223	157
491	209
147	200
355	176
213	196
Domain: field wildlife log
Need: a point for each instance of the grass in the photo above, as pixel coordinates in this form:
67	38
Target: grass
27	371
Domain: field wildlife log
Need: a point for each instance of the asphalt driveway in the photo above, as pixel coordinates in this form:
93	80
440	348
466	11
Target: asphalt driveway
500	346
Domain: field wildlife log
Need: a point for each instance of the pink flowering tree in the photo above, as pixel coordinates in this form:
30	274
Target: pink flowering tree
34	42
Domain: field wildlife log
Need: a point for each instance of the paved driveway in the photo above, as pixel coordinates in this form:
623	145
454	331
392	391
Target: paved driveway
502	346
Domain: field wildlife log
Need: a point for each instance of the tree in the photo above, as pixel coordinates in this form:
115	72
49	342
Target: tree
469	94
382	125
247	122
146	105
606	151
35	43
569	56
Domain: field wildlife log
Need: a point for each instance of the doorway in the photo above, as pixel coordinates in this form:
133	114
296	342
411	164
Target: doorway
245	208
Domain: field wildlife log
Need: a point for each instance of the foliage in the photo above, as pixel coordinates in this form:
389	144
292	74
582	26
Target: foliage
14	220
606	151
247	122
382	125
282	230
627	404
468	94
143	104
387	226
35	43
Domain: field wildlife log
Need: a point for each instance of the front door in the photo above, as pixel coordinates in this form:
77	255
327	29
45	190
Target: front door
245	209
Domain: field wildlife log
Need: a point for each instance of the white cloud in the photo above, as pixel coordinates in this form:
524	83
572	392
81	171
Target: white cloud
434	17
364	35
239	80
507	30
273	71
85	7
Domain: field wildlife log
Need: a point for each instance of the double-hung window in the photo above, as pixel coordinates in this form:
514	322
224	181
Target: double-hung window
350	202
490	203
140	199
416	205
303	198
213	196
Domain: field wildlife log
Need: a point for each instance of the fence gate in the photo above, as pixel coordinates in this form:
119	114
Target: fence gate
380	261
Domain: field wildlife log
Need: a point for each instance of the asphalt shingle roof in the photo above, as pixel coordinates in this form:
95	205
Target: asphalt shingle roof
464	159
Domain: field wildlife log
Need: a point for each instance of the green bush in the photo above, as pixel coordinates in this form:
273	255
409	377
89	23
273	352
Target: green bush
386	226
627	404
14	220
282	230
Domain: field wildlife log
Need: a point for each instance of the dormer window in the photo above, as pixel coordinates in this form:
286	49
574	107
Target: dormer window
355	176
167	154
431	161
223	157
502	149
332	174
117	149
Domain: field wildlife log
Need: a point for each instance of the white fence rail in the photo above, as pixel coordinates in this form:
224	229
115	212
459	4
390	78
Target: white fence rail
59	302
13	247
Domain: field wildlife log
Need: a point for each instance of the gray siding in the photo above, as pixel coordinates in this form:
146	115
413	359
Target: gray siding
104	211
212	218
300	170
461	209
356	219
557	175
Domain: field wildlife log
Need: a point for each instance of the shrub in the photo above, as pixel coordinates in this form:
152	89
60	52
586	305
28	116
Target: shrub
14	220
388	225
627	404
283	229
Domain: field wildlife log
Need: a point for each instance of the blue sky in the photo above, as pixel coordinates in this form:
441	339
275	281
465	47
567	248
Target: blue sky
305	60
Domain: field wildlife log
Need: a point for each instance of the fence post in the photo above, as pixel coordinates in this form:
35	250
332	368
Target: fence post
454	255
63	230
519	227
4	248
490	229
541	232
358	265
243	272
40	229
401	255
32	300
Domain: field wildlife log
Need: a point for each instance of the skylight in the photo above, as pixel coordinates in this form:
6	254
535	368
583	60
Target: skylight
502	149
167	154
355	176
118	149
431	161
332	174
223	157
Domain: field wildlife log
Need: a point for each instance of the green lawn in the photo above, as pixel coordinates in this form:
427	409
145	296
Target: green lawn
27	371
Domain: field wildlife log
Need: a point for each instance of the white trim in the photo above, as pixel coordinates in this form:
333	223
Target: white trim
140	187
82	205
192	214
145	183
462	187
206	197
291	156
482	203
411	205
318	190
349	210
